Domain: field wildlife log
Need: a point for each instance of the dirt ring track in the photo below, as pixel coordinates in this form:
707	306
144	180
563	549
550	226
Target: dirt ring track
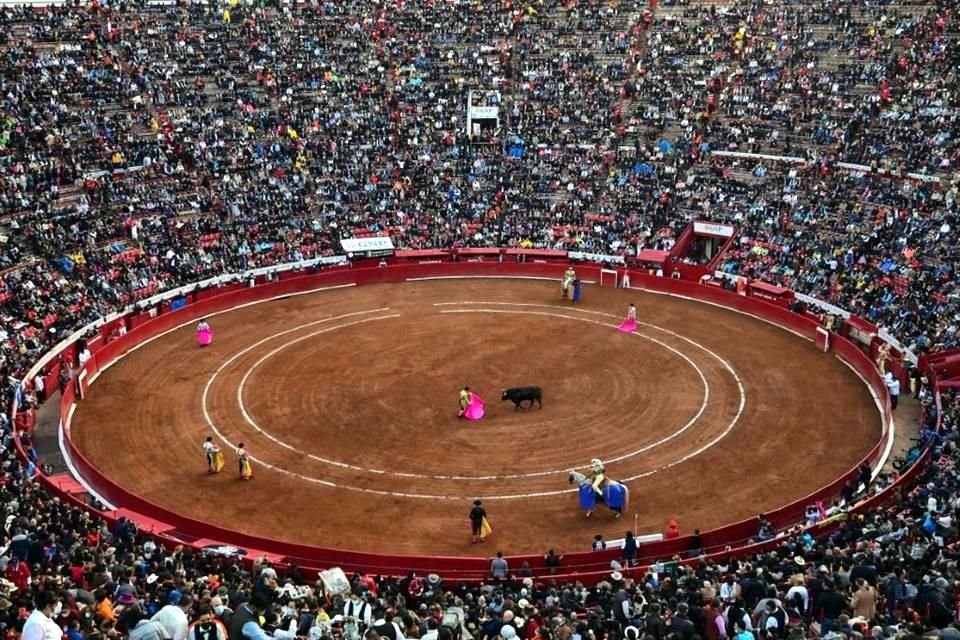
347	401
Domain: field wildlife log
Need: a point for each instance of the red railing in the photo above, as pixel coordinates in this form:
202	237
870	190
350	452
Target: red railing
173	528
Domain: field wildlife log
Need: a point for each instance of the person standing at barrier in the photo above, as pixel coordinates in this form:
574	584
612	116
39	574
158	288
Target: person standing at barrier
83	353
39	385
243	460
893	386
359	611
568	277
65	377
883	356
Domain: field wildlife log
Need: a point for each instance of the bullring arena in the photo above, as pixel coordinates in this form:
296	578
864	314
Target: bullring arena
253	252
346	398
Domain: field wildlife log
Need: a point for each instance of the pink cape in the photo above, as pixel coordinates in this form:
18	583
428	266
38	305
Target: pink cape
628	326
205	337
474	409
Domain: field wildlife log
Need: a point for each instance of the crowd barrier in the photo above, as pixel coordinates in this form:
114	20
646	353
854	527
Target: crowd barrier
115	338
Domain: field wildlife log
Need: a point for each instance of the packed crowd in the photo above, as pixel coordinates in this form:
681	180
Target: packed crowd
144	149
882	249
850	103
891	573
145	145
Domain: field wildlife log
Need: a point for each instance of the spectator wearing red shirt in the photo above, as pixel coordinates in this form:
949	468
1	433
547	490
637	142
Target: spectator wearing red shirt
93	538
18	573
78	574
367	582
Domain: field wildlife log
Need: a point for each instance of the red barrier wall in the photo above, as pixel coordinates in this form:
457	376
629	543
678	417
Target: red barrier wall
585	566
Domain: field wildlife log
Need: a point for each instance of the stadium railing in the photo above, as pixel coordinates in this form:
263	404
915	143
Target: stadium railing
155	316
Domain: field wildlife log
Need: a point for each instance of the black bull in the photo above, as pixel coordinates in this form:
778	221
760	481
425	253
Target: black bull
518	395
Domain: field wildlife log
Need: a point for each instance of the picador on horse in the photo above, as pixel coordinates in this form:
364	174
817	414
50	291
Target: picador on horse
597	486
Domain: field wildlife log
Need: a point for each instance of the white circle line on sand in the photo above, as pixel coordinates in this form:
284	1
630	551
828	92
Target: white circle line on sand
726	365
249	419
703	406
330	484
326	483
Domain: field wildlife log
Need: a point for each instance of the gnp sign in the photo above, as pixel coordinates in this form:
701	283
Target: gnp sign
713	229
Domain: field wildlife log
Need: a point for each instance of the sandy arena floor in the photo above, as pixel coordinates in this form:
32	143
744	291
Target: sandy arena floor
347	400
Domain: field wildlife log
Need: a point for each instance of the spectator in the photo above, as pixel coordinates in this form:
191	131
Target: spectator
147	629
864	602
383	630
19	574
799	594
696	544
729	590
498	567
40	624
358	610
765	528
221	611
173	616
20	548
714	624
246	621
828	607
776	619
680	624
740	631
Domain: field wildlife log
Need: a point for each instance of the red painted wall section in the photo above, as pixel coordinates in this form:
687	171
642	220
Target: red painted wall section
584	566
682	246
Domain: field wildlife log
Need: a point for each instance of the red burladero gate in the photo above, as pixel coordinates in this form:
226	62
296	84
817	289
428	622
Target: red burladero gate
174	529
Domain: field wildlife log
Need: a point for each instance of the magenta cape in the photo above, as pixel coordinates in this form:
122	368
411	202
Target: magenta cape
475	409
628	326
205	337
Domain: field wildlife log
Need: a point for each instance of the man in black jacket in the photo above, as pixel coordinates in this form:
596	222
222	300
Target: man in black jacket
863	569
752	590
680	623
653	624
931	603
307	616
249	614
829	606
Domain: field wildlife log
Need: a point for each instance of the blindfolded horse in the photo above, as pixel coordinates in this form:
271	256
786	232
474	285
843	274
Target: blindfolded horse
614	495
